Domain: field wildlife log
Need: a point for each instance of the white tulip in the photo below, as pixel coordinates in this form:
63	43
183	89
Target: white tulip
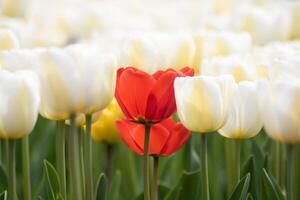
19	103
19	59
154	51
202	102
244	118
236	66
264	25
280	110
219	43
74	80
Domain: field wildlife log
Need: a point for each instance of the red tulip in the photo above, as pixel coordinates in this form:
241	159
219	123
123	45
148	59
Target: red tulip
166	137
147	98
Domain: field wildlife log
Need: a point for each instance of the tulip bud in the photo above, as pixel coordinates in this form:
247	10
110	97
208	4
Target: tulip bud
19	103
279	102
75	81
244	117
203	101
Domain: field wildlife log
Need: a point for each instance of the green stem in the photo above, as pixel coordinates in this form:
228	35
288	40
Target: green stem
155	177
109	157
290	190
237	160
81	139
75	162
12	185
26	168
277	162
146	162
61	156
204	168
89	160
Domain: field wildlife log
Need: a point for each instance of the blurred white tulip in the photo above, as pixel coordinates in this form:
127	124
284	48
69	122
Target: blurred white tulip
264	25
19	59
8	40
153	51
244	118
75	80
280	108
236	66
203	101
219	43
19	103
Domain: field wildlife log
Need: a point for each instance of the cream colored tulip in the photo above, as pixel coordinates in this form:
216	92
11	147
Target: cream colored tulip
74	81
19	59
280	109
264	25
244	117
151	52
8	40
209	44
19	103
203	101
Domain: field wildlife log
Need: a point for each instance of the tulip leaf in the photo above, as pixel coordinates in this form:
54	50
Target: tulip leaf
271	190
114	193
101	188
241	190
53	181
187	188
3	178
3	195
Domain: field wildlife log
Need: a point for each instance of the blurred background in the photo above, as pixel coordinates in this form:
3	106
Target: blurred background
196	33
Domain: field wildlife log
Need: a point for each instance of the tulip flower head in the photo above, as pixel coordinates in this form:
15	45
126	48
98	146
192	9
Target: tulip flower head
147	98
73	81
8	40
166	137
19	105
244	117
203	101
104	129
281	110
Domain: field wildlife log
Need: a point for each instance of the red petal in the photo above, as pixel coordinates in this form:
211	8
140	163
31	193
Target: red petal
187	71
178	137
161	101
132	89
126	128
158	137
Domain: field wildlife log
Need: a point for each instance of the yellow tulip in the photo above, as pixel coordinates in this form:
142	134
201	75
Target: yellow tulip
104	129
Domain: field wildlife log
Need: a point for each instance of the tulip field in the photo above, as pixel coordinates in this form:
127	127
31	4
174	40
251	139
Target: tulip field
149	100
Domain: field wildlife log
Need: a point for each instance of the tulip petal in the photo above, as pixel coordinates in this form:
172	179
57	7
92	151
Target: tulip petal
132	90
158	137
178	137
161	101
126	128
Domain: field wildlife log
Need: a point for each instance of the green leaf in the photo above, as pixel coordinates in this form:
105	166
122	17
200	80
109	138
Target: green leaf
101	188
3	195
53	180
187	188
271	189
241	190
3	178
115	187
